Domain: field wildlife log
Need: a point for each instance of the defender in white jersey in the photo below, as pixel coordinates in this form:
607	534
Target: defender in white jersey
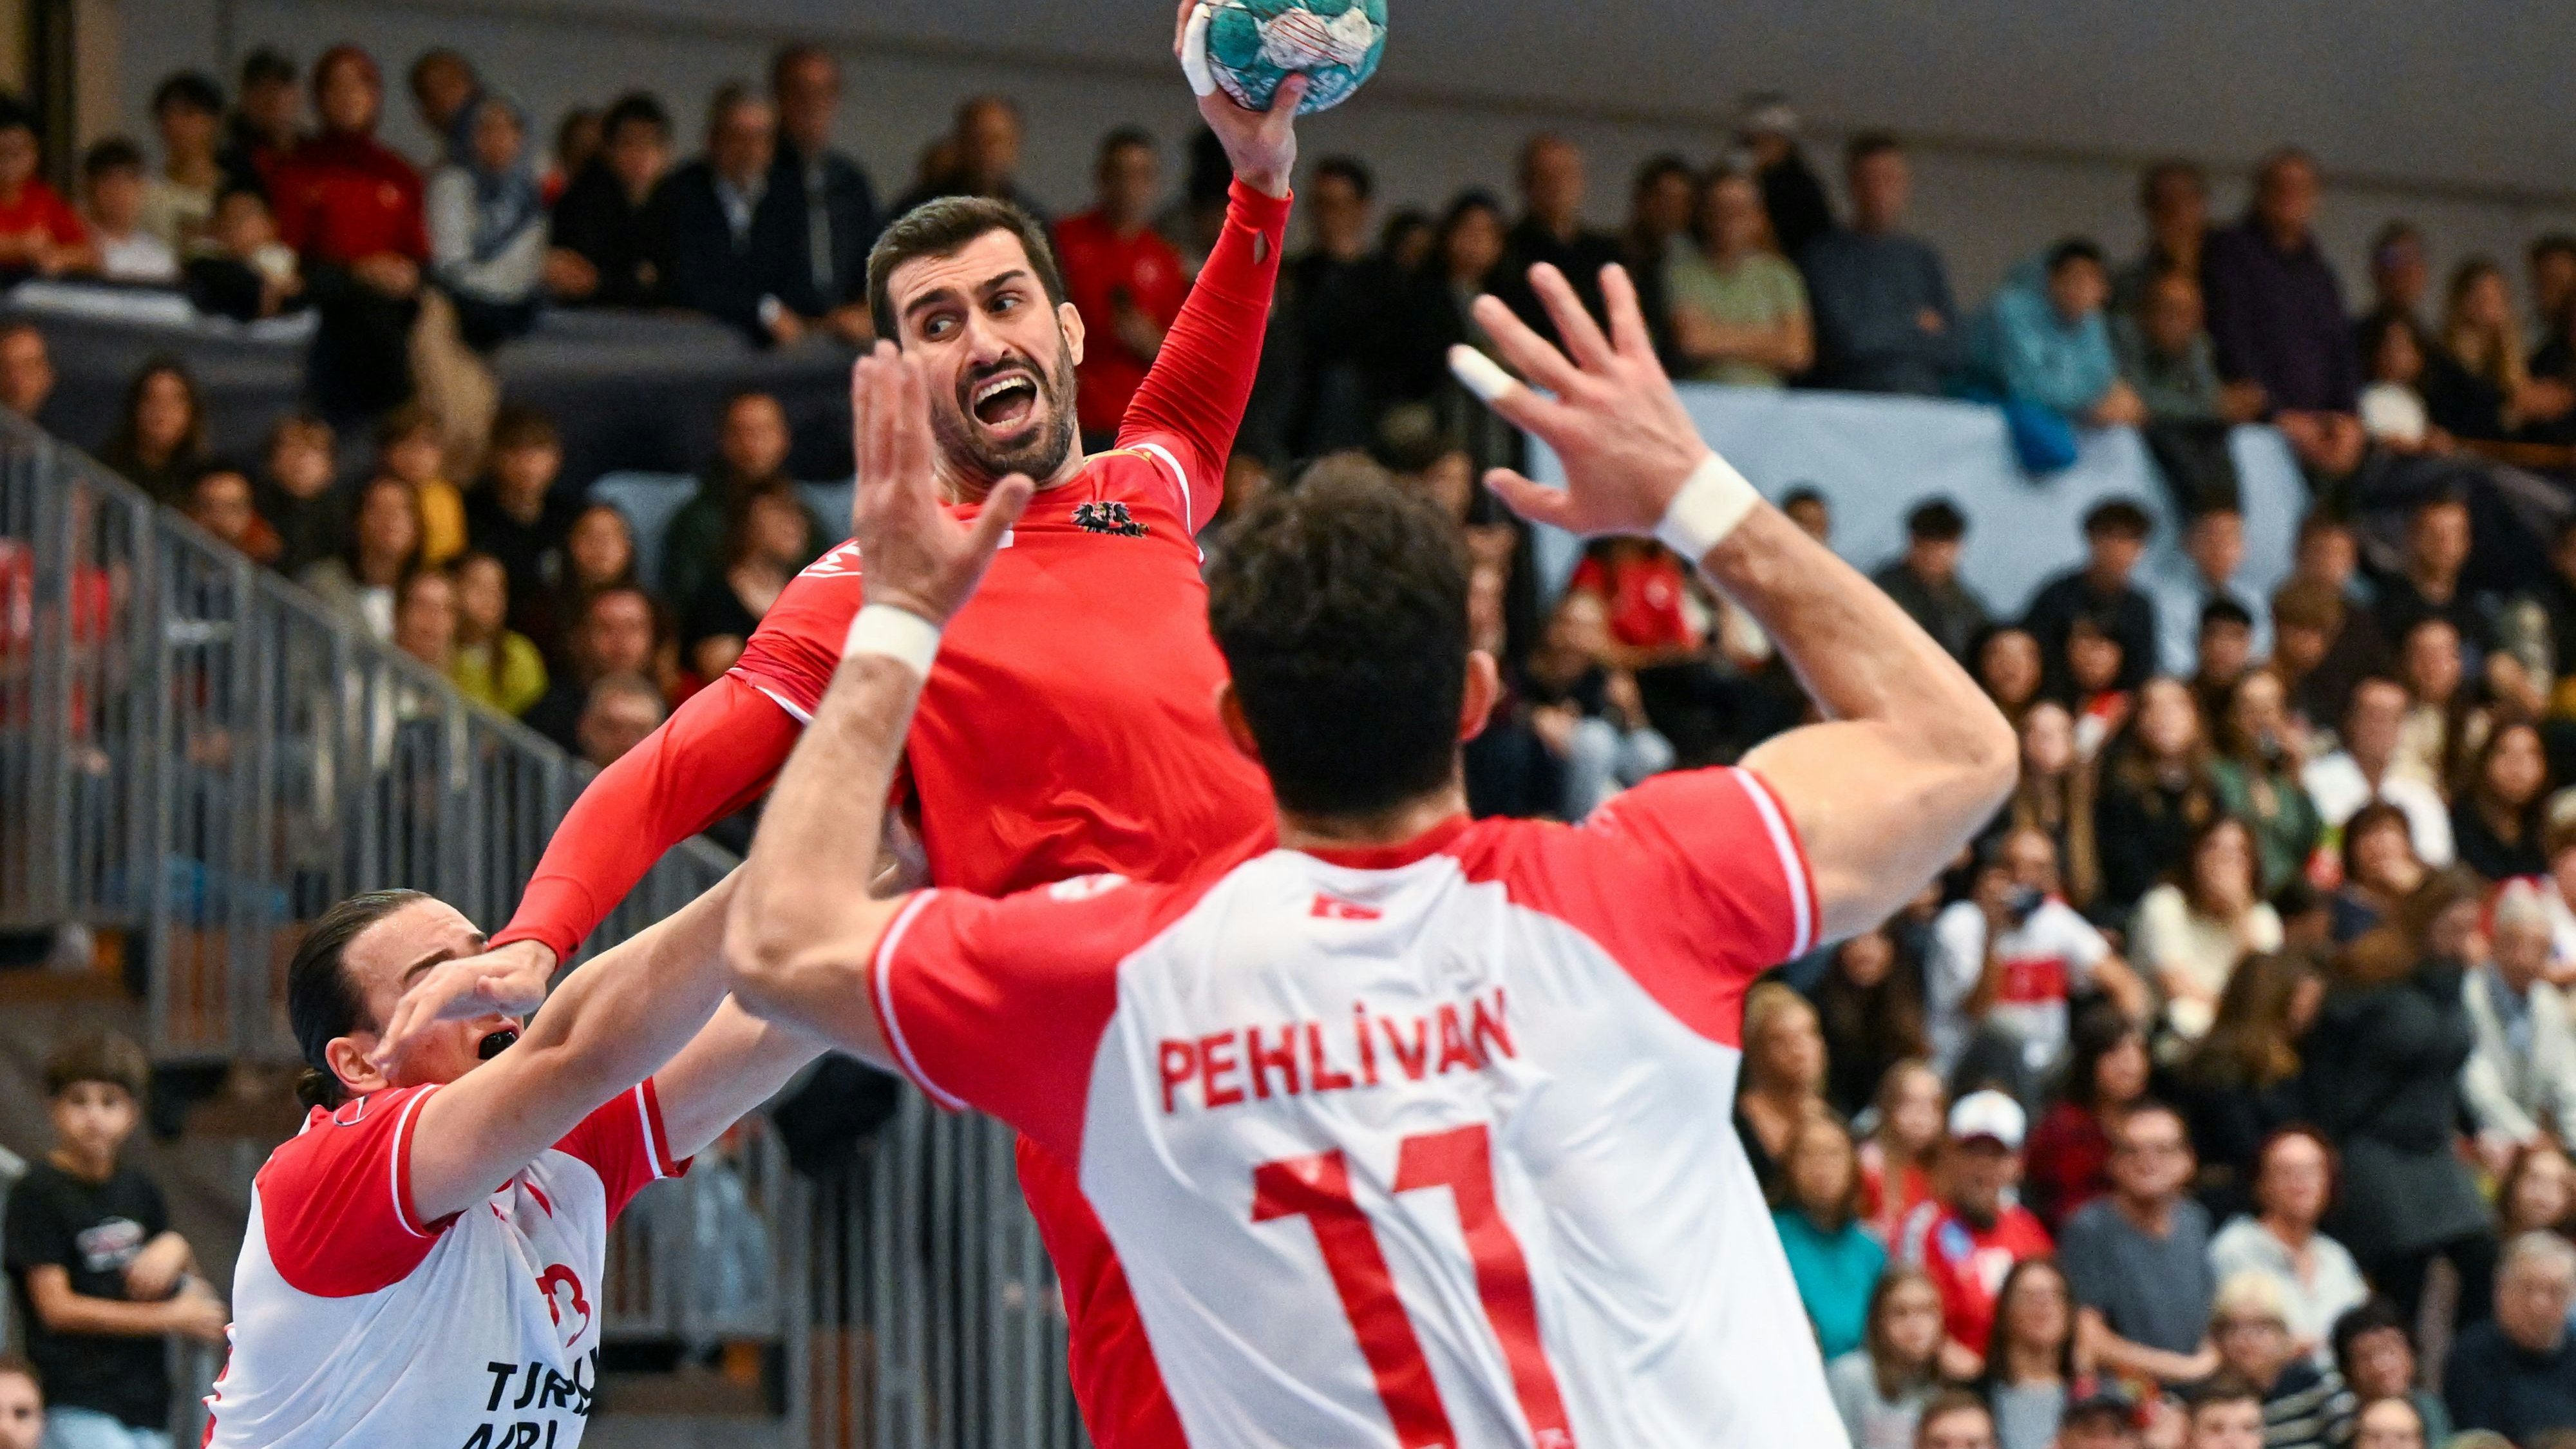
422	1267
1411	1130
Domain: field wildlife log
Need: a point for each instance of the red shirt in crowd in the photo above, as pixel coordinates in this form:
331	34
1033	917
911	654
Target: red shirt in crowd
1968	1263
39	207
2067	1165
341	196
1099	265
1646	597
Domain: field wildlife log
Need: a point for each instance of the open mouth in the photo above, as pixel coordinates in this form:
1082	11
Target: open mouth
1005	401
495	1043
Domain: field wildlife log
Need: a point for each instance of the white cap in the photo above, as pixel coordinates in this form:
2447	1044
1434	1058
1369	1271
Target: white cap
1988	1114
1767	113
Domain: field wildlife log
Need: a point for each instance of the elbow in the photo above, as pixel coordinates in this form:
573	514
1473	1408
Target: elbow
1988	751
767	962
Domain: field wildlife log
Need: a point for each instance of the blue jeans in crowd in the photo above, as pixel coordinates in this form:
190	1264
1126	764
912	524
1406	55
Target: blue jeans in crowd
90	1429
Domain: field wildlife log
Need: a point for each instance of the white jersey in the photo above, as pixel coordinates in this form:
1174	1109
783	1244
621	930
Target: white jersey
356	1324
1410	1147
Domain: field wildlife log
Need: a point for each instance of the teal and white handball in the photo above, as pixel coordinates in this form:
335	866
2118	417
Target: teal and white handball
1247	47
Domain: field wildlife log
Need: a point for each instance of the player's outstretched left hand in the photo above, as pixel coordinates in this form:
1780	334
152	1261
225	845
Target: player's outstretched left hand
917	557
461	990
1615	421
1262	145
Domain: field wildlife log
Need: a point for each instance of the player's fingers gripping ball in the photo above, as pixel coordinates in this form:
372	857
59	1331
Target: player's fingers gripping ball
1247	47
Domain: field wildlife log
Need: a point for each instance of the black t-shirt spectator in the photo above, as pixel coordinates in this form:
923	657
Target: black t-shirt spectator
91	1230
716	611
2494	1383
1580	257
2482	849
2132	618
1795	202
308	529
532	554
619	238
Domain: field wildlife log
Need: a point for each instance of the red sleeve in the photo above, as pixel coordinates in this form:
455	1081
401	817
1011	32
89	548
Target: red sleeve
1000	1004
792	655
336	1201
289	205
624	1142
1193	398
1715	853
715	754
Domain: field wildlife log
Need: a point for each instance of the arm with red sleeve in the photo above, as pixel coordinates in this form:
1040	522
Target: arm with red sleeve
1192	400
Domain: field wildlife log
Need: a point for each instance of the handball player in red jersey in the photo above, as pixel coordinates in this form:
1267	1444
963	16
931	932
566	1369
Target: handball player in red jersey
1071	725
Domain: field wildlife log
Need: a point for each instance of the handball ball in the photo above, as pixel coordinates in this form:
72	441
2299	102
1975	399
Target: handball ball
1247	47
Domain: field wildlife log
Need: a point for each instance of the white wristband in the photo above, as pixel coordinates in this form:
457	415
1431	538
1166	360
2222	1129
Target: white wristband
897	634
1713	500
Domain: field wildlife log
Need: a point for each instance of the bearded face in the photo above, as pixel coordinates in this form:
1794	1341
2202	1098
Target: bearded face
999	357
1009	415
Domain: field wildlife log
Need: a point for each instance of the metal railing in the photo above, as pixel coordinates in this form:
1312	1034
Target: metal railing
197	756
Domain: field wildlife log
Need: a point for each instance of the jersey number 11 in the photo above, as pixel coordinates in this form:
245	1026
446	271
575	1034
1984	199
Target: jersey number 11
1318	1189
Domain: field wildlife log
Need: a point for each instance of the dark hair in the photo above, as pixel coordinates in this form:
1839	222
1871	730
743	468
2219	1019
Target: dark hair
2278	157
267	66
98	1056
1123	137
1661	165
2552	244
14	1364
2374	1314
730	97
2392	232
1341	609
1873	1329
2074	249
793	53
2118	516
2155	175
1947	1404
120	449
321	1001
2228	1387
2153	1107
2099	1029
16	115
1349	169
943	228
1866	144
405	423
434	57
634	108
1999	1331
518	425
2376	815
1936	521
113	154
2224	610
1801	493
193	89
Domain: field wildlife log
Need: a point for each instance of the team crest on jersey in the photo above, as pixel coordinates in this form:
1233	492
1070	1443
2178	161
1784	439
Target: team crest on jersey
1111	518
565	1301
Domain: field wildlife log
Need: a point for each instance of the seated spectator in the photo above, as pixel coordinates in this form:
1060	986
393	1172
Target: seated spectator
350	206
729	251
981	157
1465	252
492	662
2222	653
128	251
2321	648
1955	1420
2380	869
40	235
1870	1008
26	371
751	454
2443	720
598	554
266	124
487	227
2137	1259
831	208
2155	791
103	1283
1657	632
2389	1094
1791	195
2257	771
2479	331
244	272
2213	554
444	88
2008	666
2539	626
2041	342
2090	683
606	244
2277	319
1971	1234
425	619
1663	202
410	447
2521	1078
22	1404
179	199
2056	796
2241	1083
617	634
764	547
2500	804
1126	281
1806	506
295	493
2368	769
383	546
220	502
2402	383
2537	1191
2389	1424
2070	1150
1340	302
616	714
2162	346
2438	544
1591	718
518	516
2173	196
2115	539
1551	230
2004	963
577	140
2315	1277
1898	1159
2516	1372
2305	1406
1924	580
1783	1080
160	442
1739	312
2375	1355
2029	1376
1816	1208
1880	1388
1883	314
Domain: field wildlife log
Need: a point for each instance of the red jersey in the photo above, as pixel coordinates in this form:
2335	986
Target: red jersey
1068	727
341	197
1099	265
1968	1263
40	208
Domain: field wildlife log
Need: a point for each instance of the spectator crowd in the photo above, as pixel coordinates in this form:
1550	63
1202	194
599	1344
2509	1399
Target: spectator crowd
2220	1096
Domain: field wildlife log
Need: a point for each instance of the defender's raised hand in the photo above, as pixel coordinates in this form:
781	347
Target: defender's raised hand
917	558
508	982
1261	144
1614	420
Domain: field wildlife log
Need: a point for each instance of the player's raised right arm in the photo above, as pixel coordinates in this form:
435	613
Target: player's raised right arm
1913	759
